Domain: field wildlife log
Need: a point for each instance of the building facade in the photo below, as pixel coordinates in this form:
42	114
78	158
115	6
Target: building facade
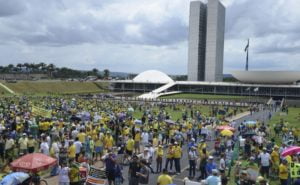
206	41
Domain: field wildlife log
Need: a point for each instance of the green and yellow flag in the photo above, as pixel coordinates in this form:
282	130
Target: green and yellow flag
41	112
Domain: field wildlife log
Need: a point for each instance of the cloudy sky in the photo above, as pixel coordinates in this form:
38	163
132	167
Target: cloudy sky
137	35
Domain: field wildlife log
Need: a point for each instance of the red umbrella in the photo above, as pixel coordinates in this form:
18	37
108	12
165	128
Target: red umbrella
290	151
33	163
225	127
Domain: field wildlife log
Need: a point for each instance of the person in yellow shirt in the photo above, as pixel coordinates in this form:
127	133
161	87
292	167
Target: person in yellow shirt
129	146
159	158
81	136
31	143
164	179
170	156
275	159
283	172
137	140
108	141
177	157
72	151
98	147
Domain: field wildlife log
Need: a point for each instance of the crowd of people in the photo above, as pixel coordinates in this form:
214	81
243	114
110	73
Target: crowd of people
107	134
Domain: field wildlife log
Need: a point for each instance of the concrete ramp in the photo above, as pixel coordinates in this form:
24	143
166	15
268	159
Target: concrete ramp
7	89
159	91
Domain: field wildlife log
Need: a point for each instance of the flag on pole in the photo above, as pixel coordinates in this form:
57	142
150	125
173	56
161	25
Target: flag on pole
247	47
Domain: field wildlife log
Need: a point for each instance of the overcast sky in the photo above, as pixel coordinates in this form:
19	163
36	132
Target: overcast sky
138	35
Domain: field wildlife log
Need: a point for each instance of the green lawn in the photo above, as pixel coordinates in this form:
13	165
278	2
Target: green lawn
177	114
292	120
55	87
204	96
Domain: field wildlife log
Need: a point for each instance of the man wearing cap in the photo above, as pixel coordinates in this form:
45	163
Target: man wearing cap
31	143
213	179
210	166
192	161
23	144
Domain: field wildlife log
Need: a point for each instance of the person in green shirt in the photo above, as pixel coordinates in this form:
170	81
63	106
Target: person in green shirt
74	173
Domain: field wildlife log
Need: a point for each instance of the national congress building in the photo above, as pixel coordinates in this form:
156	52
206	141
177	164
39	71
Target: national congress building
206	41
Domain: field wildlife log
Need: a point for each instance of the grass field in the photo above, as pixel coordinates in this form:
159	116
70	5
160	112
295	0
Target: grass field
205	96
177	114
55	87
292	120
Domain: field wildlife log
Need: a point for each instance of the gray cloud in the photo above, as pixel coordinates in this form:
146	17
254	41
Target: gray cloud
11	7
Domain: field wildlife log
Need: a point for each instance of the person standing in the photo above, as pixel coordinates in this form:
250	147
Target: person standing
159	158
78	147
164	179
134	167
63	175
283	172
110	166
31	144
265	159
143	174
213	179
192	161
177	157
9	147
44	147
23	144
170	157
71	150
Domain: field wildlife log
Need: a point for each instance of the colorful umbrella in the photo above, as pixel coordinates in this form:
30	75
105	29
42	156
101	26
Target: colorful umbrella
33	163
290	151
14	178
226	133
225	127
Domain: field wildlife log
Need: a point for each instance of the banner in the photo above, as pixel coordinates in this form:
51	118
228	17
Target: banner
96	176
41	112
295	170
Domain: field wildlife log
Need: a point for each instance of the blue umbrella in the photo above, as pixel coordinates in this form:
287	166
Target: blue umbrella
14	178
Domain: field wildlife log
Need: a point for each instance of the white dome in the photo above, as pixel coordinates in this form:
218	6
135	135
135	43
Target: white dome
152	76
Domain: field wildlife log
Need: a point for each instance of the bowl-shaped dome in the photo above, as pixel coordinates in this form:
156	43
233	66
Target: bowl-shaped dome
152	76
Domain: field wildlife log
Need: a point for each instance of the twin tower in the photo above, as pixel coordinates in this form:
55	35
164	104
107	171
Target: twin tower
206	41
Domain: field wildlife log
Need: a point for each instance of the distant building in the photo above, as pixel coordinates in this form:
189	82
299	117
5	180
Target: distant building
206	41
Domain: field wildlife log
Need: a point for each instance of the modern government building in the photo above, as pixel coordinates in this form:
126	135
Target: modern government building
205	65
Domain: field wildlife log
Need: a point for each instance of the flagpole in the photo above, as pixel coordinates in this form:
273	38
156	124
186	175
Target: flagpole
247	59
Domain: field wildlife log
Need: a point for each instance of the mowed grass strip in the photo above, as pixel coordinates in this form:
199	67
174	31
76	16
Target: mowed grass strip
205	96
57	87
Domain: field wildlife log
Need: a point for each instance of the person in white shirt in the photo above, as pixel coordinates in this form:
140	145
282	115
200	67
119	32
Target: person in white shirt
78	146
192	161
23	144
222	164
145	138
44	147
63	175
265	159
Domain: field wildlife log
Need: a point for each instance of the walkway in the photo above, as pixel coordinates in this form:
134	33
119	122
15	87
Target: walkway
7	89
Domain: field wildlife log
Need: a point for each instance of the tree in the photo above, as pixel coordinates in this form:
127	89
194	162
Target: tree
106	73
51	68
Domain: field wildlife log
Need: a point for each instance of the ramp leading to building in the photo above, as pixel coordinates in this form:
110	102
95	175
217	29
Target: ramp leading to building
159	91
